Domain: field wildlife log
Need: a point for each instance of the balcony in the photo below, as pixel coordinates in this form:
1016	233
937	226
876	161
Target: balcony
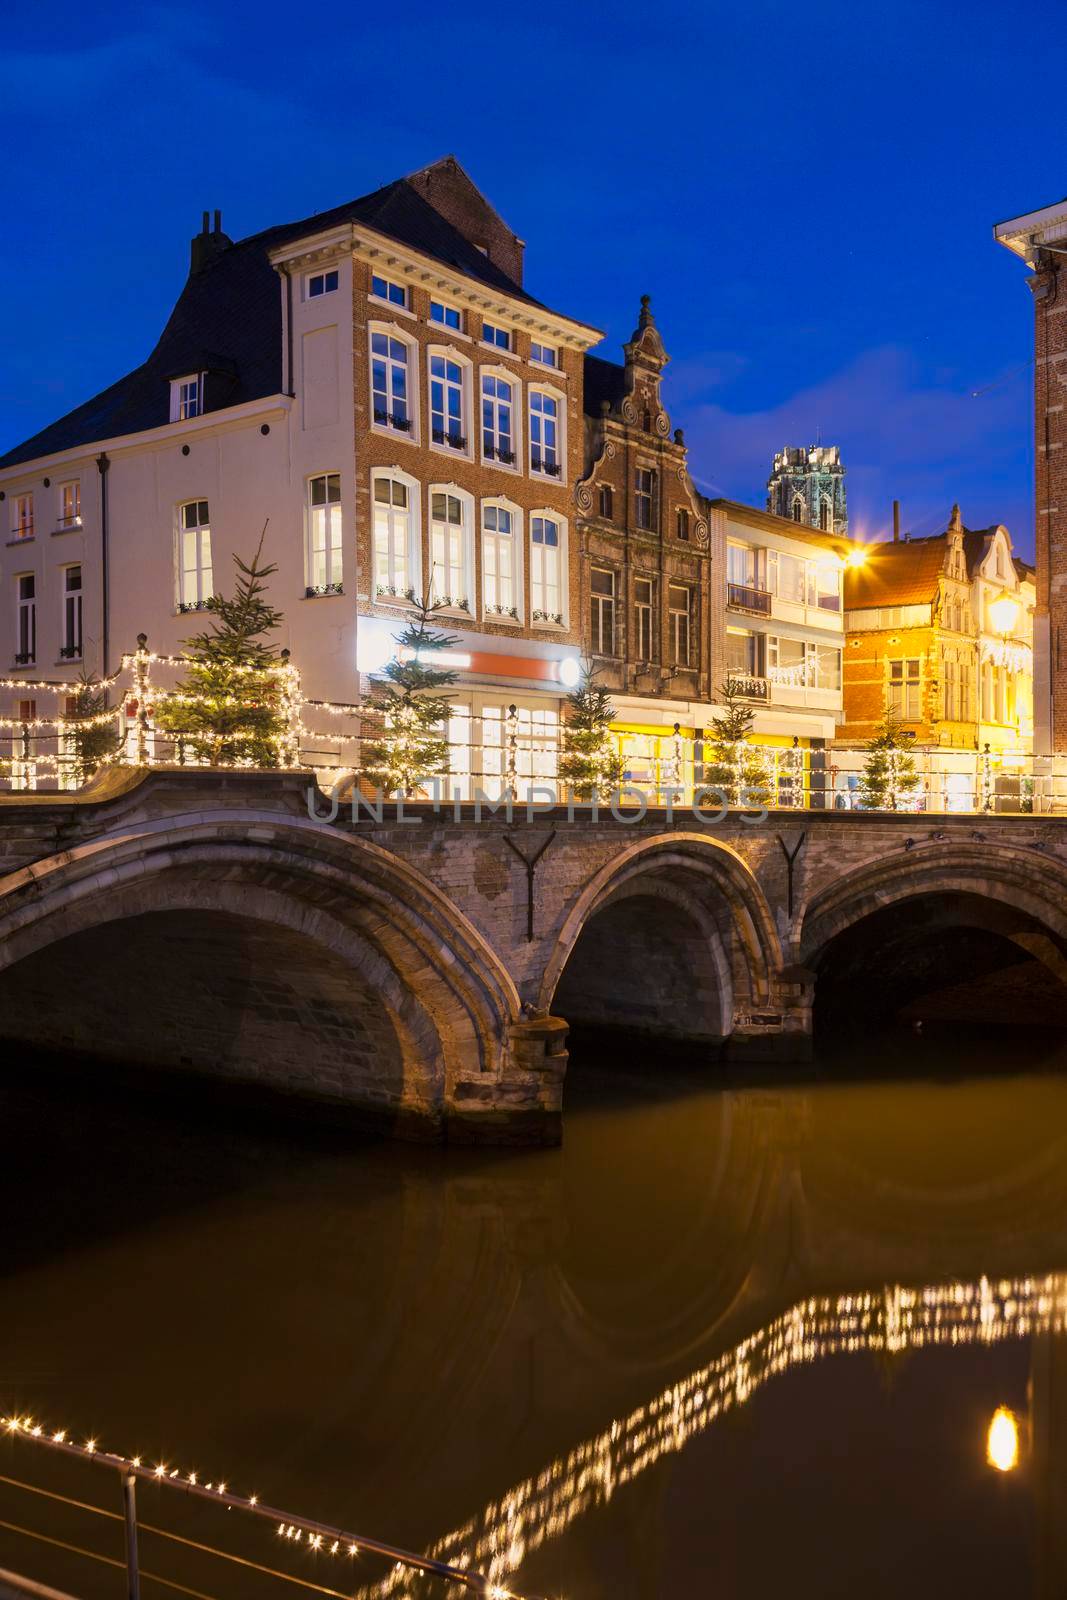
749	687
743	597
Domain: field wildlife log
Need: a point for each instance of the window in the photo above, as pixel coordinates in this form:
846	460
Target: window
395	293
824	585
446	403
194	556
71	646
500	587
798	509
951	708
447	316
792	578
679	599
607	501
827	667
394	568
448	550
498	442
546	354
500	337
544	433
321	283
26	620
744	653
904	683
324	533
643	617
70	505
23	766
187	397
22	516
545	553
682	523
826	515
602	611
644	489
389	382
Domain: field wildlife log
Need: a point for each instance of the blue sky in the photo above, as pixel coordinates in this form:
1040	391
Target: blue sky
808	196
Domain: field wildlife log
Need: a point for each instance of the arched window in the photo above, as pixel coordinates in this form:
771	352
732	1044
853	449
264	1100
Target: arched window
501	565
450	520
826	515
448	423
498	419
546	443
798	509
396	511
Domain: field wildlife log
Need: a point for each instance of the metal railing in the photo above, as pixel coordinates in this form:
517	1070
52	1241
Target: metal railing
744	597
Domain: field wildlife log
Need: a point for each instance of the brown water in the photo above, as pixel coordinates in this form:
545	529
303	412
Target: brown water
394	1338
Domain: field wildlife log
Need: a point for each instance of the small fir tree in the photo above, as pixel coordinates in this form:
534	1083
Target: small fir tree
88	742
732	762
230	708
404	740
889	774
589	765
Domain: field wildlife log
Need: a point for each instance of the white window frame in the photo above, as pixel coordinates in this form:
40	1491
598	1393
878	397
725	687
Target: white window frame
22	523
447	309
508	343
390	330
180	405
26	619
70	493
414	538
500	502
333	536
312	278
388	298
537	599
905	683
464	588
537	349
501	375
444	352
548	391
70	616
187	600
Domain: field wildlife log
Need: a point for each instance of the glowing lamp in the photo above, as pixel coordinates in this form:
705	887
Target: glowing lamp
1002	1440
570	671
1004	612
856	557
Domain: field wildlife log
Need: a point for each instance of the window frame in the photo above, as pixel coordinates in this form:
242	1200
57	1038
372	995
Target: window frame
501	375
680	623
179	411
388	428
539	359
25	620
70	618
906	682
446	307
334	513
22	516
201	527
645	617
505	341
517	536
606	499
388	299
74	518
642	470
548	618
601	604
414	537
323	273
466	538
547	391
448	353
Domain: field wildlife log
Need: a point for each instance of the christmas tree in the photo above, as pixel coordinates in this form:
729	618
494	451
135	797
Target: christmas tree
731	762
231	707
589	765
90	735
889	774
404	739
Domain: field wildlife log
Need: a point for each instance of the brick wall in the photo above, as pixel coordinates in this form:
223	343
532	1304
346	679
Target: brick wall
449	190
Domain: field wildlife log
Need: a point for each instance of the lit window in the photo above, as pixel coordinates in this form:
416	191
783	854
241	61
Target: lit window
745	653
393	567
545	545
71	646
904	687
447	316
195	584
22	516
187	397
500	337
384	289
446	403
644	491
683	523
643	610
448	549
679	599
324	530
389	382
544	433
26	620
607	501
321	283
602	611
70	505
499	574
497	417
544	353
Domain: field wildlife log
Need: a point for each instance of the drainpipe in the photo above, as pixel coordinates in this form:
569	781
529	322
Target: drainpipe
102	466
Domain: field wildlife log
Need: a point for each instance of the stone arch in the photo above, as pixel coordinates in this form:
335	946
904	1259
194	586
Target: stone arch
713	887
450	1003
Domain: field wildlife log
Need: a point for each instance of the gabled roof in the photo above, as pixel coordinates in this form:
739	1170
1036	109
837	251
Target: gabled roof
897	572
227	321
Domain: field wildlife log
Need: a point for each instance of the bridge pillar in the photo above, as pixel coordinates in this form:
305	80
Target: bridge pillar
526	1105
780	1030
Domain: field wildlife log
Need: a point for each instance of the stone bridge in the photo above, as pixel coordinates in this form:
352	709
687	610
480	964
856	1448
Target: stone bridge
421	967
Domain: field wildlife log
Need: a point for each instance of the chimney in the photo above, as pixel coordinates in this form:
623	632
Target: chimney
896	520
207	244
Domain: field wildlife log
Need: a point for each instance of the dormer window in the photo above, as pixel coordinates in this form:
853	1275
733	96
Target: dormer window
187	397
321	283
394	294
500	337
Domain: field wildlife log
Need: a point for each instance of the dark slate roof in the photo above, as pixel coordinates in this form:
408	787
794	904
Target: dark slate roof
604	380
227	321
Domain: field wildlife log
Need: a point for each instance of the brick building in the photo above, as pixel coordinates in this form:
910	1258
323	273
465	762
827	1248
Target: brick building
939	631
1040	239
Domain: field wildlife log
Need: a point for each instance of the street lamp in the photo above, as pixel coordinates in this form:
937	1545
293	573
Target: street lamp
1004	613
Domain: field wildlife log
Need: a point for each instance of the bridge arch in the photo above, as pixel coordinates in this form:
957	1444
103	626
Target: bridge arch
681	891
415	1010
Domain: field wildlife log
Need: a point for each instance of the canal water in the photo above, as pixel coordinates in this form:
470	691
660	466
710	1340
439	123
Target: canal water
735	1338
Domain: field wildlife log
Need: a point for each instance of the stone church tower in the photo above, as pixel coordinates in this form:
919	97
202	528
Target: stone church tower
809	486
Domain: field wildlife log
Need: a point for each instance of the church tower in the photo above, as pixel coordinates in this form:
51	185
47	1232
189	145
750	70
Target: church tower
808	486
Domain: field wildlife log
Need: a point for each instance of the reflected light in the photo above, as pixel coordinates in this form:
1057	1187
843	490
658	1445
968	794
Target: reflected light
1002	1441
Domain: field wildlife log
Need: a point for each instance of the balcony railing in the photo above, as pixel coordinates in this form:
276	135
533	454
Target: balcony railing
743	597
749	687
